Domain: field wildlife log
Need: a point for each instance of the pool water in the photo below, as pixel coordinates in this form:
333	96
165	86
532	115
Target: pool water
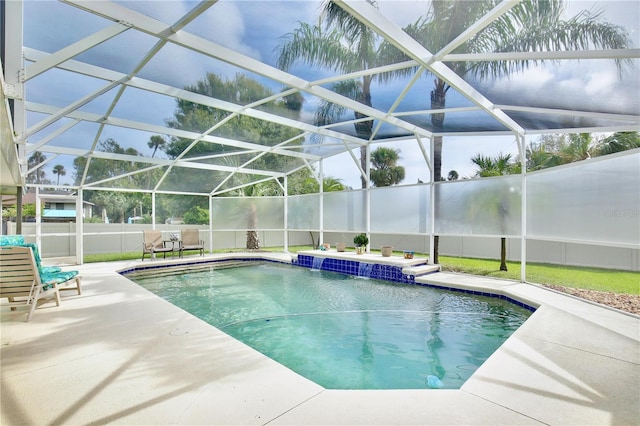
344	332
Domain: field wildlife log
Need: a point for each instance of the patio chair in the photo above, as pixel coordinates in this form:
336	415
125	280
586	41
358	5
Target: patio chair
22	284
18	240
190	240
153	243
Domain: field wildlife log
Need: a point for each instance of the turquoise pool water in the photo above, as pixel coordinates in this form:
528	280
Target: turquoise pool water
344	332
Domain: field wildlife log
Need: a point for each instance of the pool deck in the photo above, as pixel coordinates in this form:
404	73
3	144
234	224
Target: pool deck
119	354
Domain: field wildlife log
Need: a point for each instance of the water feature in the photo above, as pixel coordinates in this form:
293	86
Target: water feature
317	263
364	269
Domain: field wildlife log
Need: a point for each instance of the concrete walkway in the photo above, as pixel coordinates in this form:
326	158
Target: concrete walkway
119	354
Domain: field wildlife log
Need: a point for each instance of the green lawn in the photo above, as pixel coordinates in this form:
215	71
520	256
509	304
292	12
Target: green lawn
567	276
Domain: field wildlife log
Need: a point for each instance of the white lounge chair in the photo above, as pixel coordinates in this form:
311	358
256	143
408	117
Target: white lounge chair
21	282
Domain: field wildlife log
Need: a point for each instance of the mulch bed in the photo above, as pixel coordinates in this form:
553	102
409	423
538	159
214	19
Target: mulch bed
624	302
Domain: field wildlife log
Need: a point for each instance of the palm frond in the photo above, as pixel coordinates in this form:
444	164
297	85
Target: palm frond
312	45
535	26
329	112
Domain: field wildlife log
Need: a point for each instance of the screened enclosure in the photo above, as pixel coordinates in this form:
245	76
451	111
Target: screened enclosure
185	107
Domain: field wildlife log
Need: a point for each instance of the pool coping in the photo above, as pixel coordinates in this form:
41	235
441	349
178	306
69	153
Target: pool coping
572	362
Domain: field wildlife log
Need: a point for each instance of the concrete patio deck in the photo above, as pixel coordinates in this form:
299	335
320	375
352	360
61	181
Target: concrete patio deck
119	354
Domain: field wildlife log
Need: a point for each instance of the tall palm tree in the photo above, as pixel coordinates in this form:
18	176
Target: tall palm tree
385	171
156	142
34	159
59	170
263	189
345	45
530	26
498	166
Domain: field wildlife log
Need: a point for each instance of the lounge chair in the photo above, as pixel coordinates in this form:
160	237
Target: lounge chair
18	240
22	284
153	243
190	240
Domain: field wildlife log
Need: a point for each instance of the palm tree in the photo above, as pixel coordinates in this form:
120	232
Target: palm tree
263	189
156	142
497	166
345	45
59	170
36	158
530	26
494	166
554	150
539	156
331	184
578	148
618	142
385	171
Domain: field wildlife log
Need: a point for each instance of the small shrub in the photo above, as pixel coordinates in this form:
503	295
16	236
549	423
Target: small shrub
361	240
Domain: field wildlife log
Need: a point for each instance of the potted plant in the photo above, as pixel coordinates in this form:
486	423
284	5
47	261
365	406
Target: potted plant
361	241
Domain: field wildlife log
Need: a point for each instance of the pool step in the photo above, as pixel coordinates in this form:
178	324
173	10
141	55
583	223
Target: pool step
224	264
420	270
196	267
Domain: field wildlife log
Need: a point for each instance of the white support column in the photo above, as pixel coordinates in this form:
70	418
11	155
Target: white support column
153	210
210	223
432	206
79	227
38	220
286	214
368	197
321	213
14	73
523	200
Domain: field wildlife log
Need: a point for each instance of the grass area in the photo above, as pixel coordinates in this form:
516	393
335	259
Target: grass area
567	276
609	280
112	257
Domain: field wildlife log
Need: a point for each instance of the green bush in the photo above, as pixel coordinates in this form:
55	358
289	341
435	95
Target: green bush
361	240
196	216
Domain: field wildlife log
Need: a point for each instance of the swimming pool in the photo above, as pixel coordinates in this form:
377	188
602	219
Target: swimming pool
344	332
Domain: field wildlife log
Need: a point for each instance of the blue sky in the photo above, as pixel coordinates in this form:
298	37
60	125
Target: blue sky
254	28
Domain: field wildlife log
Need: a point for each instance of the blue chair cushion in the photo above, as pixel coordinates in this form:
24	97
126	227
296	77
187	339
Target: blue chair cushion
18	240
36	255
49	279
49	275
11	240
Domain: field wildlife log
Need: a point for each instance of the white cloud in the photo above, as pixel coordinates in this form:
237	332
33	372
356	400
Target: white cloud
531	78
403	13
224	24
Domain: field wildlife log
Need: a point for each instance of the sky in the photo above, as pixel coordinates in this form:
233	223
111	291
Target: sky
255	28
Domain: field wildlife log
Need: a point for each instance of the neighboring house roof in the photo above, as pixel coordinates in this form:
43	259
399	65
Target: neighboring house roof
49	214
54	197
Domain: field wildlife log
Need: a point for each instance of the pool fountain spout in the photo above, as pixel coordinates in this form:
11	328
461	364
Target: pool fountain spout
317	263
364	269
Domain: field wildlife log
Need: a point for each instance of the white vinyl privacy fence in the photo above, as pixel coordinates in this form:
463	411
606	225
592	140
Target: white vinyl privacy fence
585	213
